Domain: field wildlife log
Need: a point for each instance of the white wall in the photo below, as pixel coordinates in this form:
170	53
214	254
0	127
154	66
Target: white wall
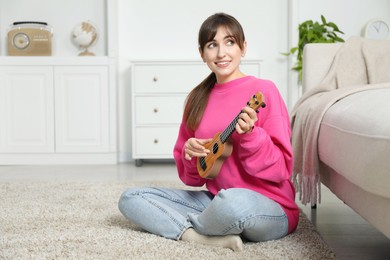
62	16
350	15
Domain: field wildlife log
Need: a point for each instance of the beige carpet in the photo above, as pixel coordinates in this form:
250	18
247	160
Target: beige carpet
82	221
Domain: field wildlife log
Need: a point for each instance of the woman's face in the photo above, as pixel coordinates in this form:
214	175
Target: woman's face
223	56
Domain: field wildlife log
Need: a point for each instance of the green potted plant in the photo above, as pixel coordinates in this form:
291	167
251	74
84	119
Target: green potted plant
313	32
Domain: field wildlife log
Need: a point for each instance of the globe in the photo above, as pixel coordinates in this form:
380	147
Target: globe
84	35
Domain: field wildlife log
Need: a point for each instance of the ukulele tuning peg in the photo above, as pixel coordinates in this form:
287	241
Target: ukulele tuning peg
257	102
248	103
257	111
263	105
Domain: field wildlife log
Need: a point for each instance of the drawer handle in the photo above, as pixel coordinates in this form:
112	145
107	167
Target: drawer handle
156	141
155	110
155	79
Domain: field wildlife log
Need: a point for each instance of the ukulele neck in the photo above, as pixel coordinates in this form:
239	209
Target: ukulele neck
229	130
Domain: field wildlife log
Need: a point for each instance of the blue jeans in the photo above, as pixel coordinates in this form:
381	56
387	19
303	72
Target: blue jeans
170	212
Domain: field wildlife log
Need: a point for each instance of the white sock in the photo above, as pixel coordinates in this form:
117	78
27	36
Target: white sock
233	242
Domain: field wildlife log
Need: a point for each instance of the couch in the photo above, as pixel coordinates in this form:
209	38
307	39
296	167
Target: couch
341	127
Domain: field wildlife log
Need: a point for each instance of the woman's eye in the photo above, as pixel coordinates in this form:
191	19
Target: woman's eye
230	43
211	45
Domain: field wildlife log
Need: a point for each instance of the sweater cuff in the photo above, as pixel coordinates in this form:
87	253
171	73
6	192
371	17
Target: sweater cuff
256	134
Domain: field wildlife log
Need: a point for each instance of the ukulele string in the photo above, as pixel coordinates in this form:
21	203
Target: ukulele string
224	136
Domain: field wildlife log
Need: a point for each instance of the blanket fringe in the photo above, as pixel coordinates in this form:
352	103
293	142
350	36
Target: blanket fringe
309	189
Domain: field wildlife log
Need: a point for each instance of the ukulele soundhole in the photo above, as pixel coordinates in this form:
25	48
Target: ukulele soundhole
215	148
202	162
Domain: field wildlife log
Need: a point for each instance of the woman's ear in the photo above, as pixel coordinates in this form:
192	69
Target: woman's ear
243	51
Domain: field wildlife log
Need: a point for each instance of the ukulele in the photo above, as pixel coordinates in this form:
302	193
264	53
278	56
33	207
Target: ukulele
220	148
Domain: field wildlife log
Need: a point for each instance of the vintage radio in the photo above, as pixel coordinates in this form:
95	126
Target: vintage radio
29	39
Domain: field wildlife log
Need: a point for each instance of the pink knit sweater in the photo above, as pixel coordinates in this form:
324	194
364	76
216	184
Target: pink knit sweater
262	160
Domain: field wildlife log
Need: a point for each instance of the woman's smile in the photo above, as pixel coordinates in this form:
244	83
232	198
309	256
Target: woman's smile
223	64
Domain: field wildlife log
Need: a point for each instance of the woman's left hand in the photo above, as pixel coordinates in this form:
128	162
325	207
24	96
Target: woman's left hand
246	121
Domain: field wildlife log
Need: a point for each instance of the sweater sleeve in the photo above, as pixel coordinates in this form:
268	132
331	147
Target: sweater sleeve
266	153
187	170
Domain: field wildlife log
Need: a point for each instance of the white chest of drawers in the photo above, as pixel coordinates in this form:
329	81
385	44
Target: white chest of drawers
159	90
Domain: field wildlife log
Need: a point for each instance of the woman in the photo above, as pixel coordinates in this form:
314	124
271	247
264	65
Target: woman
252	197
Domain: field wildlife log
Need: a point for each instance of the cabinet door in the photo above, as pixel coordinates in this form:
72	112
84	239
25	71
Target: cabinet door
26	109
81	108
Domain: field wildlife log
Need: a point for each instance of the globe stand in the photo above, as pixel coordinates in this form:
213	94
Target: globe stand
86	52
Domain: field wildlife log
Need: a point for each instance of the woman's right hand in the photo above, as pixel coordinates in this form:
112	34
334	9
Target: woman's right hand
195	148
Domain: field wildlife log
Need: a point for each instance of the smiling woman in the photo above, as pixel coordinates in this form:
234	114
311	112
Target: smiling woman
252	196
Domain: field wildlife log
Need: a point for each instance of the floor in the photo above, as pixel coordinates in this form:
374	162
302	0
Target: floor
350	236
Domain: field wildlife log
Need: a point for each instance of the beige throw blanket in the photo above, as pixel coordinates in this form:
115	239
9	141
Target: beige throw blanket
359	65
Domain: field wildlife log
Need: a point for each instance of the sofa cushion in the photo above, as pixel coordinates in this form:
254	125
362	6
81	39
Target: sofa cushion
354	139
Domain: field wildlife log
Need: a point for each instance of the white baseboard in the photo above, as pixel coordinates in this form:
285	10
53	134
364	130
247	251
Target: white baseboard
124	157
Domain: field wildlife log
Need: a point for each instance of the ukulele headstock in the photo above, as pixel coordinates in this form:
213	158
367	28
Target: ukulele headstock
256	101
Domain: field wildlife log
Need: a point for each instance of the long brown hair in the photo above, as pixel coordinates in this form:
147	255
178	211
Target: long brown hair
197	99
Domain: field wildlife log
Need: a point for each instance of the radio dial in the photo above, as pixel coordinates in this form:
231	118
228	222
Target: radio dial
21	41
